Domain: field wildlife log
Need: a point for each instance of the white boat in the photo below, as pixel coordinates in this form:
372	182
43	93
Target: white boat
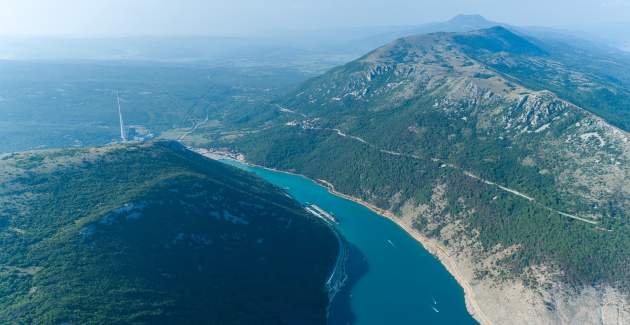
391	243
319	212
435	310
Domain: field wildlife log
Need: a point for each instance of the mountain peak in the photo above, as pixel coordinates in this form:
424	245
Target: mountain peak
469	19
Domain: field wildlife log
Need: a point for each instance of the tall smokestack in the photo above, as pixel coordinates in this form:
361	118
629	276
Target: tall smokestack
123	134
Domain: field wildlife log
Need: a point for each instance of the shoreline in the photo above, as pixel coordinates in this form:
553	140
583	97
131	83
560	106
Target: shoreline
434	248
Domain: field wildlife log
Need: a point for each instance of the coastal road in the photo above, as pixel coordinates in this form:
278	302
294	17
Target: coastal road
446	164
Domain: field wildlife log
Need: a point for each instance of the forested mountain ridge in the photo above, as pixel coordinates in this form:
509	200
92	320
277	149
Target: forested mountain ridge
415	78
522	181
153	233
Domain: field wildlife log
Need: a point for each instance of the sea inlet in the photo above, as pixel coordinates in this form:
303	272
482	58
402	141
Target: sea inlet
391	278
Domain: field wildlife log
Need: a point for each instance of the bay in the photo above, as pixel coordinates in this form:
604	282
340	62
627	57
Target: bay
392	279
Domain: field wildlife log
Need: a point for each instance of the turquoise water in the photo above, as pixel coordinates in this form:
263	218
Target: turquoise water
392	278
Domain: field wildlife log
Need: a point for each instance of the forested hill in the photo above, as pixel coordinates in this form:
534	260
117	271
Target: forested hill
449	131
154	234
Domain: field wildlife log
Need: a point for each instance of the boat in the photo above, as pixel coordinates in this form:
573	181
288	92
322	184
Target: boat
435	310
391	243
319	212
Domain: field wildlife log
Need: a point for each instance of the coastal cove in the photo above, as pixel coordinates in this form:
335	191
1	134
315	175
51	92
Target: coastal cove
392	278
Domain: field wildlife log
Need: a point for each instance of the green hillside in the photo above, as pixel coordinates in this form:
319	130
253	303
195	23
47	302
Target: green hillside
154	234
425	127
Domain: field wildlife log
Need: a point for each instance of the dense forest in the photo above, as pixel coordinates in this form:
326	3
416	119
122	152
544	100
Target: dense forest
153	233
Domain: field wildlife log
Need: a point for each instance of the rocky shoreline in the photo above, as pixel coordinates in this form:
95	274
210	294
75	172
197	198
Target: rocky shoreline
511	301
490	302
432	246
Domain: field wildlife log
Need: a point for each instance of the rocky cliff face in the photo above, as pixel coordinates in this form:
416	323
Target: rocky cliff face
538	296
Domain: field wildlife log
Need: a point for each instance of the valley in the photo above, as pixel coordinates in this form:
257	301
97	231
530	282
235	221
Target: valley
74	104
449	173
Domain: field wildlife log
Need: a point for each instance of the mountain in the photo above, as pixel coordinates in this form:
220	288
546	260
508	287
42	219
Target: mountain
154	234
469	23
488	143
459	23
581	51
594	81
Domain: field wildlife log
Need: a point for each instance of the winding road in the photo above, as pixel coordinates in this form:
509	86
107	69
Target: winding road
446	164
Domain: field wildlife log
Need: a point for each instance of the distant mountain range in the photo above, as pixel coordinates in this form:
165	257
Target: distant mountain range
511	150
332	47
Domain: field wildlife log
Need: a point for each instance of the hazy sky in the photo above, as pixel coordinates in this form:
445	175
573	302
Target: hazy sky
238	17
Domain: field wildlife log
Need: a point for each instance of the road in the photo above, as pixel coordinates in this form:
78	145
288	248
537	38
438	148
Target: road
446	164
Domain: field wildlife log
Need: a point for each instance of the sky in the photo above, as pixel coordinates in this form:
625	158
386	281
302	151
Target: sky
255	17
